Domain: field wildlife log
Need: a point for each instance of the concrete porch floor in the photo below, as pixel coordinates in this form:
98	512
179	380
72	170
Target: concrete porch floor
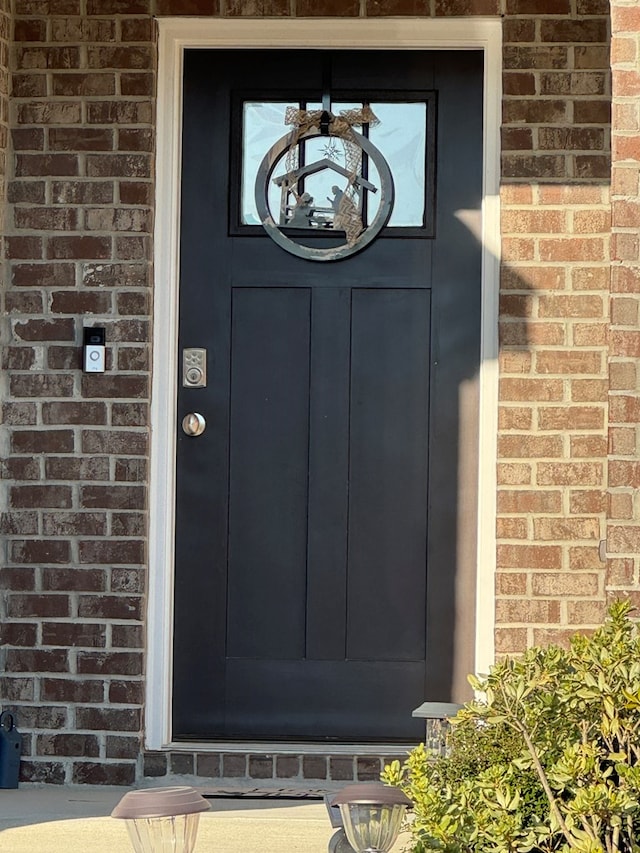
75	819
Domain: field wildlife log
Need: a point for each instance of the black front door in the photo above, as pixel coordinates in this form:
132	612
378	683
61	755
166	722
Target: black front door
321	591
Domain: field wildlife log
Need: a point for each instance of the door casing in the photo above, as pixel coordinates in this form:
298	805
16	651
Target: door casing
174	36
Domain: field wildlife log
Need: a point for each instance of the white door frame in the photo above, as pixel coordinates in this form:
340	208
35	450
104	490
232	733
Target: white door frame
176	34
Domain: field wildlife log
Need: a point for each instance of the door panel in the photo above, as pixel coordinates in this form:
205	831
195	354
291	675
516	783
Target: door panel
323	580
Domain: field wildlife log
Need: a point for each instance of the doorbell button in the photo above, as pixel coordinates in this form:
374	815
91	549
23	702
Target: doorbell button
94	350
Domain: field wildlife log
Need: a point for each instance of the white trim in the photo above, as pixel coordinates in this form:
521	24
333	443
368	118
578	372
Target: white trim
386	33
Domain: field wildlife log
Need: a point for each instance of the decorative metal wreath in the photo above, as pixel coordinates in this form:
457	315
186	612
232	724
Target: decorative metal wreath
299	214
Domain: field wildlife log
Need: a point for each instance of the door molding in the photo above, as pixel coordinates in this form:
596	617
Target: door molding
174	35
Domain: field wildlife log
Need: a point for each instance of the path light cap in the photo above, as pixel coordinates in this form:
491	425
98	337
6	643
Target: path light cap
371	793
160	802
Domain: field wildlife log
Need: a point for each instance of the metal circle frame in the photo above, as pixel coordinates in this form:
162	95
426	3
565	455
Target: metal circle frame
335	253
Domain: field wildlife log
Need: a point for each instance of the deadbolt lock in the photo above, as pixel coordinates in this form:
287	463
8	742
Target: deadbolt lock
194	368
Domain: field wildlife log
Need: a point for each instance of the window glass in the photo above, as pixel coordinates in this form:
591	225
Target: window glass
400	137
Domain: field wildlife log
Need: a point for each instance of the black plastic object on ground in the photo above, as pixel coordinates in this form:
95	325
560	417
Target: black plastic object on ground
10	748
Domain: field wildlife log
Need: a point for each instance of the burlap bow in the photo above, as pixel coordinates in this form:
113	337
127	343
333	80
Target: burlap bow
347	217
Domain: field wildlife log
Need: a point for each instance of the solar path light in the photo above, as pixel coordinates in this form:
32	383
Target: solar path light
372	815
162	820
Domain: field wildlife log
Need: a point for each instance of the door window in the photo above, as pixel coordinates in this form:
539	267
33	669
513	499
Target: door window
404	137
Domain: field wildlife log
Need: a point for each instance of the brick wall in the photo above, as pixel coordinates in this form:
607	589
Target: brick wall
78	250
554	309
5	35
78	246
624	398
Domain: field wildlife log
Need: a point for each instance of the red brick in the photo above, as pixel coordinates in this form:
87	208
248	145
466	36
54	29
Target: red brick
95	773
32	192
27	139
80	139
42	441
83	84
128	524
41	496
78	247
571	418
587	501
26	248
74	580
74	523
16	579
570	306
515	417
45	330
518	30
133	358
538	56
511	640
126	692
82	192
589	390
620	572
512	528
523	501
122	747
523	446
74	634
110	606
542	390
39	551
567	361
46	164
538	7
37	661
48	772
18	358
622	473
570	474
92	468
18	634
588	446
30	29
541	611
67	744
43	275
17	689
529	556
111	552
41	385
572	249
533	278
119	165
19	524
114	442
565	585
19	414
623	539
566	529
586	612
114	387
625	343
109	663
624	409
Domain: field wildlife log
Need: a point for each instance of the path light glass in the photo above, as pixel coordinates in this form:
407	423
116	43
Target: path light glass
162	820
372	815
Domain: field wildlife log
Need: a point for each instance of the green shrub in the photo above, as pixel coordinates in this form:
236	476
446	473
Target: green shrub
546	759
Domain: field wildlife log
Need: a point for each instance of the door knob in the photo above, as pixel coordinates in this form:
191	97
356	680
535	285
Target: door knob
193	424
